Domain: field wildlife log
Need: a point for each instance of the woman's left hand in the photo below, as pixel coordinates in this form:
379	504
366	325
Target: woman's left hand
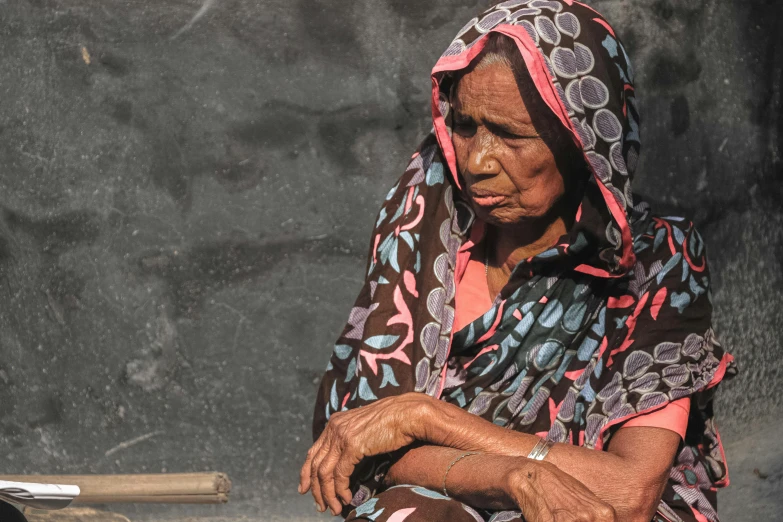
381	427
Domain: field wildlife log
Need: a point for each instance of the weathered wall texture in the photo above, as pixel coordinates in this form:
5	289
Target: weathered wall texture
186	204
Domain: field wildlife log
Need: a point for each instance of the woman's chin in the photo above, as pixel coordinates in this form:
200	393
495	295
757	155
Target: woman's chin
505	217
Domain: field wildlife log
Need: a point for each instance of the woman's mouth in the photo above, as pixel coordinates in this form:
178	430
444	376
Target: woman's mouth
484	198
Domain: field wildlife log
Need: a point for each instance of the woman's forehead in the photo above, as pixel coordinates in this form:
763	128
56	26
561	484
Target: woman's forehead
491	91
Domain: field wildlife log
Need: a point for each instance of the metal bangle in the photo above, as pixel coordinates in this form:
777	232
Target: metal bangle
541	449
467	454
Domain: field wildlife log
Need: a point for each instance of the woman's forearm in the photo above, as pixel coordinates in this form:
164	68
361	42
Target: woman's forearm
630	477
481	480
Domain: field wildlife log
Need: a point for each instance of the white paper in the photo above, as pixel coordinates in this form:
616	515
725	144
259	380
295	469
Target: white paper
38	496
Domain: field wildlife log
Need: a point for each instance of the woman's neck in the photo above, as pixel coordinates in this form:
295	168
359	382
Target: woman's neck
512	245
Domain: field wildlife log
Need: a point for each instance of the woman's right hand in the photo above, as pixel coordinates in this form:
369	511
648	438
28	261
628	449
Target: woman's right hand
546	494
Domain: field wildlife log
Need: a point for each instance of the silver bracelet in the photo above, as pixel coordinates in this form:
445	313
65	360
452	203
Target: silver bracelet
468	454
541	449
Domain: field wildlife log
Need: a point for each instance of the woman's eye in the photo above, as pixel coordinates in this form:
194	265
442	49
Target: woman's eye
464	126
506	134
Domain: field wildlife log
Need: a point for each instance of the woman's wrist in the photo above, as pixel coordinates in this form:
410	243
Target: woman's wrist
424	418
436	421
519	473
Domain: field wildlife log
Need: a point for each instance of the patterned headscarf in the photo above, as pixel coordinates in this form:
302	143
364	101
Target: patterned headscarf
612	322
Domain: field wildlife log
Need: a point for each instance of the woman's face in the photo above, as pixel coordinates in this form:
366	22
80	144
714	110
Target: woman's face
510	173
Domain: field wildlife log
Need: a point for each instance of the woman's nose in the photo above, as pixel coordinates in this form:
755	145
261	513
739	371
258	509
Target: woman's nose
483	160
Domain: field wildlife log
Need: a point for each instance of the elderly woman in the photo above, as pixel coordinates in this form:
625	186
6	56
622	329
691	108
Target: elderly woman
531	341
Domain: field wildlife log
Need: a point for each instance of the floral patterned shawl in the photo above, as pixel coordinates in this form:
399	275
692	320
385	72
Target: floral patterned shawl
612	322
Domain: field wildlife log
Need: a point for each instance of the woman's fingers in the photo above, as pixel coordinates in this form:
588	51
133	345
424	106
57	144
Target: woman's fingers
315	483
304	473
326	479
342	475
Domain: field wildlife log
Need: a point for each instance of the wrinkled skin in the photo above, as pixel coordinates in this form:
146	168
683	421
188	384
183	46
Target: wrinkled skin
546	494
500	151
384	426
542	491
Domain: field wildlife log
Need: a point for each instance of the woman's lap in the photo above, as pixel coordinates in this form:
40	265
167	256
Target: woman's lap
417	504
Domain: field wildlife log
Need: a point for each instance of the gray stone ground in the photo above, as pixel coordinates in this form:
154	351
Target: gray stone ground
186	191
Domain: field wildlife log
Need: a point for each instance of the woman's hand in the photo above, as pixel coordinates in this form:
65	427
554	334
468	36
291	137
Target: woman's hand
546	494
381	427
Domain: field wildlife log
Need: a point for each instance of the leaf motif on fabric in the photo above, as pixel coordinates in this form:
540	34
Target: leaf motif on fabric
393	261
365	392
357	320
382	215
447	319
533	407
424	492
567	408
595	423
551	314
429	338
645	384
350	372
380	342
685	270
642	279
637	364
615	401
422	375
334	401
695	287
367	507
679	236
435	174
398	214
573	318
671	263
680	301
587	349
679	393
547	354
651	400
342	351
481	404
611	388
676	375
667	352
388	376
385	247
693	346
408	238
587	393
599	328
436	300
417	178
565	362
622	411
398	516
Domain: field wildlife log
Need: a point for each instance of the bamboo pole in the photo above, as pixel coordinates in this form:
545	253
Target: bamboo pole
173	488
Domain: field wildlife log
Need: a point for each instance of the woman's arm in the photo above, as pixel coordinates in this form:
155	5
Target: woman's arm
630	476
497	482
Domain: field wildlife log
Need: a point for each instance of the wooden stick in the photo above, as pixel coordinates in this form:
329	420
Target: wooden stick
219	498
174	488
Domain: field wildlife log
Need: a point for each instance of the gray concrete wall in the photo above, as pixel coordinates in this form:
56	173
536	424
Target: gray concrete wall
187	189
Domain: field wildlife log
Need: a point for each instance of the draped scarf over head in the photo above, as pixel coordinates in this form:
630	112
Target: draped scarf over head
612	322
